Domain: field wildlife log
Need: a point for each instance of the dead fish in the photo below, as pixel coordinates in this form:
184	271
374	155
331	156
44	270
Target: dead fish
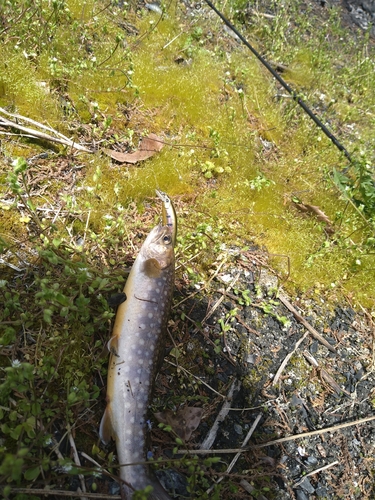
135	347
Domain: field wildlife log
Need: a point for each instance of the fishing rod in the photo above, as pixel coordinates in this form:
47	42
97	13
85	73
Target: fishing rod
282	82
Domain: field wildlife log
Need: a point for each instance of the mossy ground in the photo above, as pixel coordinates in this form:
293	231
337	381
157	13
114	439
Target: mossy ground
238	151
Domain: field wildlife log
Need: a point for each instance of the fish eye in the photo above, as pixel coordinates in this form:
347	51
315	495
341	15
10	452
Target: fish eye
167	239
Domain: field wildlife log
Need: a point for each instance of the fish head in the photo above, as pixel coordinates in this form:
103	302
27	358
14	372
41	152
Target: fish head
158	247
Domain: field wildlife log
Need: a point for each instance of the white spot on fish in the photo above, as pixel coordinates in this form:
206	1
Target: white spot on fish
142	341
132	420
129	431
140	361
157	290
142	325
150	315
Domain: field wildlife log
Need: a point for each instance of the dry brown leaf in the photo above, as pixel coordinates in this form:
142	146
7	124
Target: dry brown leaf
149	146
183	422
313	209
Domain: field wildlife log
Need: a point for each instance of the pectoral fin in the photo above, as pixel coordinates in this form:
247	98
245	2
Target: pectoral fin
112	345
151	268
106	429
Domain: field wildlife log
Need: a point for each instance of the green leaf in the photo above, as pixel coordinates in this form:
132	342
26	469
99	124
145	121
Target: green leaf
31	474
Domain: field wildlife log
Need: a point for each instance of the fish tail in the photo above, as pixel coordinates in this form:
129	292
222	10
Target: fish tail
158	492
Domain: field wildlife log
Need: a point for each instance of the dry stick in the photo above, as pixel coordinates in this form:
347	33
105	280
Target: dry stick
325	375
192	375
307	325
220	300
328	466
76	458
286	359
250	489
233	462
4	122
211	436
62	493
33	122
303	435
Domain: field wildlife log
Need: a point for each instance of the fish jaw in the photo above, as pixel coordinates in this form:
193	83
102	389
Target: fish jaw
136	346
169	216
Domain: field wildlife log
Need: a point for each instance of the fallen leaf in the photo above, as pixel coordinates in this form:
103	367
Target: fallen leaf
183	422
149	146
313	209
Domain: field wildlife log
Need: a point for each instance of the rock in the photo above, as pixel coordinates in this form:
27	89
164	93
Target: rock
307	486
301	495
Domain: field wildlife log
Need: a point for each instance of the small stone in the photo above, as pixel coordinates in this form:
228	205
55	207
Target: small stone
251	359
296	401
301	495
321	491
238	429
311	460
307	486
314	347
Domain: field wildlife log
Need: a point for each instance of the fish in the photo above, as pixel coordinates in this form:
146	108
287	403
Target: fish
136	349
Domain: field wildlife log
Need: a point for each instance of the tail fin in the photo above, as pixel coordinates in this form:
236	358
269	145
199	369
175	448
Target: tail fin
158	492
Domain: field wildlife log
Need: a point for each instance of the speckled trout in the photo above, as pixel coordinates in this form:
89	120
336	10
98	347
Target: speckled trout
136	347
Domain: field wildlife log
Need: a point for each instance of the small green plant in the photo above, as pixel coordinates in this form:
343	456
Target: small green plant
209	169
258	183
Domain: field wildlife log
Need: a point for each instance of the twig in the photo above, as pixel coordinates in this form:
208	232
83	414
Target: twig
328	466
211	436
192	375
237	456
303	435
287	358
220	300
325	375
76	458
250	489
61	139
63	493
307	325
